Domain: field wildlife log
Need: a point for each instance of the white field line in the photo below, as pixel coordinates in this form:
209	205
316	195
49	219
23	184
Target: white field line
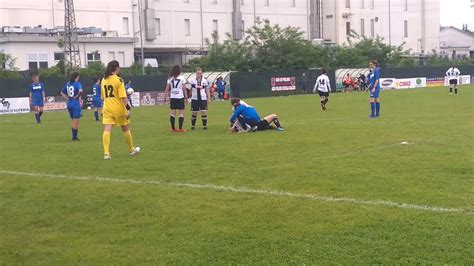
244	190
367	119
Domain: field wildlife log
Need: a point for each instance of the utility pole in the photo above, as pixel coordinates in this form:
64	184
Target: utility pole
71	43
142	54
390	22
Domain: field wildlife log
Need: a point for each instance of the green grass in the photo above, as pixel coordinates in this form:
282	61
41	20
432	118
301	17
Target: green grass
338	153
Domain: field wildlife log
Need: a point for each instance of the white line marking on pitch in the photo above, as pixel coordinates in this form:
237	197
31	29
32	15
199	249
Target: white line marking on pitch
383	203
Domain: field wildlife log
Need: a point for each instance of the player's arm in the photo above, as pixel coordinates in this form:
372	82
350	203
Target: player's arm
376	78
208	92
328	82
316	85
185	92
236	113
44	95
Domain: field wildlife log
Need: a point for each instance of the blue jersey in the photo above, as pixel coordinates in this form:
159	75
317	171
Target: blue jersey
72	90
37	90
220	85
374	76
96	91
247	112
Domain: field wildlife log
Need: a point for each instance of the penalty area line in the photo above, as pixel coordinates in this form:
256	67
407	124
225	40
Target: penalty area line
244	190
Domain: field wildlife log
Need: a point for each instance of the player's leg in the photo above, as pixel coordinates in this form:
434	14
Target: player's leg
451	83
194	113
106	136
40	111
75	128
377	106
273	118
372	106
36	110
173	119
204	118
456	87
242	122
181	119
124	124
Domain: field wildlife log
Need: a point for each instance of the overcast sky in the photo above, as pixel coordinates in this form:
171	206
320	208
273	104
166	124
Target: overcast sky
457	12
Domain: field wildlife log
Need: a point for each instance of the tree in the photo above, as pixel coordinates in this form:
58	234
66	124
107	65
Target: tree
8	69
93	69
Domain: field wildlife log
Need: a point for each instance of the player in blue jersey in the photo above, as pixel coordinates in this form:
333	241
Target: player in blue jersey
96	99
73	92
245	119
37	97
374	89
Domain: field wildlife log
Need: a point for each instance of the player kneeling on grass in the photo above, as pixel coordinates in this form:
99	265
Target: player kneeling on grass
199	98
245	119
323	87
116	108
73	92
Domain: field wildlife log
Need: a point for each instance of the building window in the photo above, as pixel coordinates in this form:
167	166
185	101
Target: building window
362	27
111	56
215	25
267	2
187	27
121	58
58	56
37	60
372	28
243	27
125	26
158	27
293	3
93	57
405	29
348	3
372	4
406	5
348	28
362	4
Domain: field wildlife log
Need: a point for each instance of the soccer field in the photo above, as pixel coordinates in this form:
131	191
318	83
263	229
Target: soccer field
335	188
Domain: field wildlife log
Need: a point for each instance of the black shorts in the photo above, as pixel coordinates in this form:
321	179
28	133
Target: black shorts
198	105
177	104
453	82
262	125
323	93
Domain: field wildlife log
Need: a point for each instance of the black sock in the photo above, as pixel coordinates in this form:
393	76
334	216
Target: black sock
96	115
450	90
456	91
204	120
181	121
40	114
193	120
172	121
326	100
276	122
37	117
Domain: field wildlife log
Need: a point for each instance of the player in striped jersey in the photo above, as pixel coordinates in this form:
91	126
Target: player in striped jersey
178	96
199	98
453	76
323	87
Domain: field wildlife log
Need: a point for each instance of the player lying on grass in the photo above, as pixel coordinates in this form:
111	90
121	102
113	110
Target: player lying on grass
116	107
246	119
323	87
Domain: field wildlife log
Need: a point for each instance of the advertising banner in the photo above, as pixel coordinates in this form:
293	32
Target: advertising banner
54	103
151	98
410	83
14	105
135	97
435	82
387	83
283	83
464	79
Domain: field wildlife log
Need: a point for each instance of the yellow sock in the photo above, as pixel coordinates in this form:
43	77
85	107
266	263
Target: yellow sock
106	142
129	140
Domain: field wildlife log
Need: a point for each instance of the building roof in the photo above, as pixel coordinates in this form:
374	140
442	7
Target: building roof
469	33
54	39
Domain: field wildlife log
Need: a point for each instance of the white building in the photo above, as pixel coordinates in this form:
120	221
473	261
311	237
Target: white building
455	43
412	22
174	31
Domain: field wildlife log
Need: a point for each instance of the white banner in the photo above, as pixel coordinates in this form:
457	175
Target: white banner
464	79
135	99
14	105
387	83
410	83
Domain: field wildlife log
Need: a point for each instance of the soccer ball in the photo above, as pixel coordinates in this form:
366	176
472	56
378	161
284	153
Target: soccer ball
130	91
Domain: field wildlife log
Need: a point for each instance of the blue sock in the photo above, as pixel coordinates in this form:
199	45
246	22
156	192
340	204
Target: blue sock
37	117
377	108
372	108
74	133
96	114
